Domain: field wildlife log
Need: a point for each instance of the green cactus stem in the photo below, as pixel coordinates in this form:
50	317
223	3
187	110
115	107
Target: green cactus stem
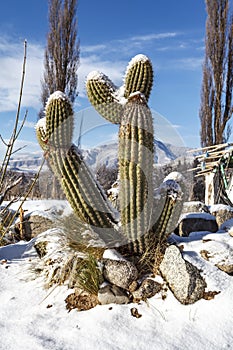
135	166
170	205
59	120
103	95
139	76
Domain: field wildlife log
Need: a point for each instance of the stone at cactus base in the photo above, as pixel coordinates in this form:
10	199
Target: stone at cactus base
184	279
112	295
222	213
196	222
147	289
119	272
81	302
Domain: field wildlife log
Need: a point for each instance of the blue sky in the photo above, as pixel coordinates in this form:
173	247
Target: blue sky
170	32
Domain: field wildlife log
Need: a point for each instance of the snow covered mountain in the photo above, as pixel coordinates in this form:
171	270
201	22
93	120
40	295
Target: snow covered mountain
96	157
107	154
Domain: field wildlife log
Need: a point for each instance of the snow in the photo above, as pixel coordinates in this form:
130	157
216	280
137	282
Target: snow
216	207
46	208
138	58
203	216
56	96
175	176
112	254
32	317
41	124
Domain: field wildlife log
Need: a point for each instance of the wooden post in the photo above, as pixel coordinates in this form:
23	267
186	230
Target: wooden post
210	194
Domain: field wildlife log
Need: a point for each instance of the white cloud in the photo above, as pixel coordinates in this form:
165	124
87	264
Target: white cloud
92	48
155	36
190	63
11	60
28	124
109	57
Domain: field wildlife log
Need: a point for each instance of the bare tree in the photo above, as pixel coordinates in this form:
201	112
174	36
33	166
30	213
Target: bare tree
216	97
61	58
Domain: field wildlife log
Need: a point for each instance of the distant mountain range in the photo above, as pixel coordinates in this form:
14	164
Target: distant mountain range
96	157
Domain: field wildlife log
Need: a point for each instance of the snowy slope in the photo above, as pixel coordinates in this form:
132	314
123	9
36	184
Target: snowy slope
34	318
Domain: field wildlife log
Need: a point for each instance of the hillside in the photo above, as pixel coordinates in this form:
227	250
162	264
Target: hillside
95	157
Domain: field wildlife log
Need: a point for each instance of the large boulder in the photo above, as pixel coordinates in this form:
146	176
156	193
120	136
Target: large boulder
194	207
196	222
222	213
33	225
183	278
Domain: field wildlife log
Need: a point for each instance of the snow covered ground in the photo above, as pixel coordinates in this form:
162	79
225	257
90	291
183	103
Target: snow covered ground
32	318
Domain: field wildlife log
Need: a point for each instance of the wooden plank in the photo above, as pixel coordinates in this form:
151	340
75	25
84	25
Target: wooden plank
223	145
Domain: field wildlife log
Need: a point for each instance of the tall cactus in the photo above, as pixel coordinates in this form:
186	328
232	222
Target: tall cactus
135	143
143	224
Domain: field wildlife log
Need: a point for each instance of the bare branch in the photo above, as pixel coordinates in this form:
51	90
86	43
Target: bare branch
3	141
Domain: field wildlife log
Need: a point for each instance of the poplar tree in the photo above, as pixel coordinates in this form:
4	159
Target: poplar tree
61	58
216	96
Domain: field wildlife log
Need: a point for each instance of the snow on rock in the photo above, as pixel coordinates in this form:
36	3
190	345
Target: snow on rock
222	213
112	254
203	216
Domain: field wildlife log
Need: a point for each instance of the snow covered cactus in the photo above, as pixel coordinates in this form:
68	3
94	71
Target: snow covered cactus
127	106
145	221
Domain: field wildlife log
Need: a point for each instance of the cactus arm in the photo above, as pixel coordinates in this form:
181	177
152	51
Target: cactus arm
139	76
59	120
172	197
66	161
102	94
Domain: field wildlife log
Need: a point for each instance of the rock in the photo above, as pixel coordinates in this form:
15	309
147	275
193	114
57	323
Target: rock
183	278
111	294
196	222
81	302
119	272
147	290
222	213
194	207
33	225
